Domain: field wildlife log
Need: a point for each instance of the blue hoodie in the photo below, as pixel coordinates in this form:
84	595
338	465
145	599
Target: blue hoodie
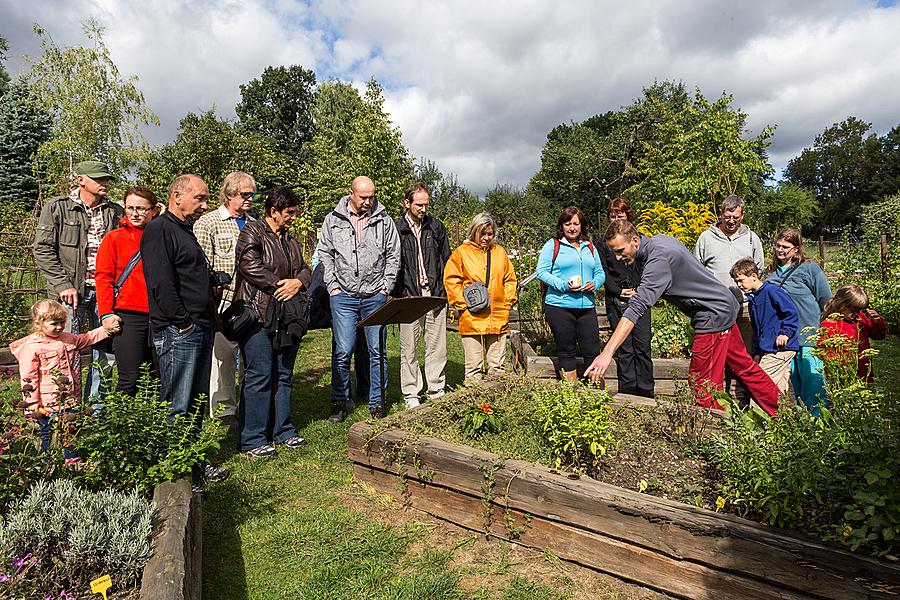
570	262
772	313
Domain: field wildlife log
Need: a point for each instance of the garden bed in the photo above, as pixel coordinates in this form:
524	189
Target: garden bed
678	549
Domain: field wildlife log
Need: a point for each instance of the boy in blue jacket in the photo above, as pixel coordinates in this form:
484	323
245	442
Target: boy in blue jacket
774	318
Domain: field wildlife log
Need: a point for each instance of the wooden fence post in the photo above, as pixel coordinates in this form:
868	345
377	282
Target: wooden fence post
822	251
885	271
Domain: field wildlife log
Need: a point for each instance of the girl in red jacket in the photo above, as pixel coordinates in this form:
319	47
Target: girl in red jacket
848	316
121	289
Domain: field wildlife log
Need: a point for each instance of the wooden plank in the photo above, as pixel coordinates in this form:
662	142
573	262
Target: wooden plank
677	530
680	578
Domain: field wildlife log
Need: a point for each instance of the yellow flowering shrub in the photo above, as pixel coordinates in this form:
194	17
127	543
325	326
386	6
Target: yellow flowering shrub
685	222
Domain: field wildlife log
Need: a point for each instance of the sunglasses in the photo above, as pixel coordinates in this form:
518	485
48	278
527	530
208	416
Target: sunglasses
248	195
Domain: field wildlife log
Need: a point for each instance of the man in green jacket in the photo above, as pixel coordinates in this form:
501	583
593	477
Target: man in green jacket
68	235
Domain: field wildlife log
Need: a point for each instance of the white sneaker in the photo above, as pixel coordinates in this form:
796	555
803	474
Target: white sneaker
412	402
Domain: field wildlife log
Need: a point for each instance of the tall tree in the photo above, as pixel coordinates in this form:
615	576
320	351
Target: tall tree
450	201
97	114
24	126
279	104
4	74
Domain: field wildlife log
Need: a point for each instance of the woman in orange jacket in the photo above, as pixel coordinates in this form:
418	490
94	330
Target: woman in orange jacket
483	333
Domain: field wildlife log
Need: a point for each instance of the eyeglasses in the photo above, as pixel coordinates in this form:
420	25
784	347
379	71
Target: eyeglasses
138	210
784	247
732	219
248	195
369	197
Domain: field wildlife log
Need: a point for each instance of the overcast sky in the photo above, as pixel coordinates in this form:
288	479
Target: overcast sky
476	86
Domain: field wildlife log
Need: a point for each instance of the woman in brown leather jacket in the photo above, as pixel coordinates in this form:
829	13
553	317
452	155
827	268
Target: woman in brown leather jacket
271	275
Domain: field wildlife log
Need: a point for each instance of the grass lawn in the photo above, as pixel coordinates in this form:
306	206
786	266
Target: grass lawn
298	526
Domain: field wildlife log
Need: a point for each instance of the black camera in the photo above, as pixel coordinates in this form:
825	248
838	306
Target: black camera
220	278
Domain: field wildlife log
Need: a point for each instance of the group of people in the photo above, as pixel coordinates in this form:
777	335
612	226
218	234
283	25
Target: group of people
161	280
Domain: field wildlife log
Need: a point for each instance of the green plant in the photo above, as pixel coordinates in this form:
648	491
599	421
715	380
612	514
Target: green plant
72	536
672	333
479	419
575	424
134	442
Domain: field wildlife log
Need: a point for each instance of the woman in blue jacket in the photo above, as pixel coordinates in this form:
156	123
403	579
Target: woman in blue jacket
806	284
570	267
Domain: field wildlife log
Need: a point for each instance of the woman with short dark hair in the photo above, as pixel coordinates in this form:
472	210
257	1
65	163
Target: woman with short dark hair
569	266
272	277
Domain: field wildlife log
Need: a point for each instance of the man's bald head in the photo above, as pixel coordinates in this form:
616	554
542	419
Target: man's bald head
188	197
362	195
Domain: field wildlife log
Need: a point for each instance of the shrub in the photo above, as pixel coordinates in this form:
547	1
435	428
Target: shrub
65	537
683	222
575	424
672	333
134	442
478	419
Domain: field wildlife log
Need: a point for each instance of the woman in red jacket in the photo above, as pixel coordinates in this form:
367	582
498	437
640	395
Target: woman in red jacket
124	294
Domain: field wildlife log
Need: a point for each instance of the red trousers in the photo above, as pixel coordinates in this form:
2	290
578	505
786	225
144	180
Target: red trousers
709	355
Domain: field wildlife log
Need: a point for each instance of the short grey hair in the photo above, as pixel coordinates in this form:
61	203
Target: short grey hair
732	203
480	222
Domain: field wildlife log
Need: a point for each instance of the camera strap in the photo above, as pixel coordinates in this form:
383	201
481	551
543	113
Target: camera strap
132	263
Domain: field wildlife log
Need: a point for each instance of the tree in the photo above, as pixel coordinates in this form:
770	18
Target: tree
24	126
450	202
505	203
4	75
839	169
96	113
336	107
785	205
211	148
279	105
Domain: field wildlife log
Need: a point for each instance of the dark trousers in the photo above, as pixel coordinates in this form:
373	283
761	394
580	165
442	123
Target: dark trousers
571	326
634	362
264	412
46	423
132	348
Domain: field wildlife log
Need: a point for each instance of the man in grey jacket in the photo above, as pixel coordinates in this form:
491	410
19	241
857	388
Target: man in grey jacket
360	254
669	271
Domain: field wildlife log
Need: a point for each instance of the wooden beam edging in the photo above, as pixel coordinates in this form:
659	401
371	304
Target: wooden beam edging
174	571
661	544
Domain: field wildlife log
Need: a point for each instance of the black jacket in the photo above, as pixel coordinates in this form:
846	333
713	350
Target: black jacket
435	253
619	276
179	288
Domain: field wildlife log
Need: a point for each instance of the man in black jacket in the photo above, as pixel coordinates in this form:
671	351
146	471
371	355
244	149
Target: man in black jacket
180	295
424	250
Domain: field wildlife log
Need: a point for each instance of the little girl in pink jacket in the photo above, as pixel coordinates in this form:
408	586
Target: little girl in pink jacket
50	365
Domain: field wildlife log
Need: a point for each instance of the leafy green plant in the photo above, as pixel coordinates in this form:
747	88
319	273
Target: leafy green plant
672	334
479	419
68	536
134	442
575	424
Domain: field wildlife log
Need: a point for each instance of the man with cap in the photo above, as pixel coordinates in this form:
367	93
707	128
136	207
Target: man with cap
68	235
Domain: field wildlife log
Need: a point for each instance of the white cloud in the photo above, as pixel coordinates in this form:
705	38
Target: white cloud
476	87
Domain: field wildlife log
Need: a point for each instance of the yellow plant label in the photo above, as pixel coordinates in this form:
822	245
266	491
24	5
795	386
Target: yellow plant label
100	585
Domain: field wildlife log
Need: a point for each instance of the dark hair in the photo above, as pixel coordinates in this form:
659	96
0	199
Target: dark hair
621	205
415	189
617	228
143	192
745	266
281	198
565	216
791	236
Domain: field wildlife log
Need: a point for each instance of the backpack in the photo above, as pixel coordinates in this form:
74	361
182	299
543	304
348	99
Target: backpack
556	244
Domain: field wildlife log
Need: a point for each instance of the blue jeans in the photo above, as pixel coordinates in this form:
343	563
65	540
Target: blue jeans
46	423
184	364
265	405
346	312
81	320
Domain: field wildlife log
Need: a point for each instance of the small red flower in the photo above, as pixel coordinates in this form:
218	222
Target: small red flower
486	408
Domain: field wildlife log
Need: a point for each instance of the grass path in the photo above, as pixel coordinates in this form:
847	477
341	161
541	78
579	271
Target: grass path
298	526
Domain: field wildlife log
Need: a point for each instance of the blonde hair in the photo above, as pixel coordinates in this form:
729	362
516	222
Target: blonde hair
480	222
846	301
44	311
231	186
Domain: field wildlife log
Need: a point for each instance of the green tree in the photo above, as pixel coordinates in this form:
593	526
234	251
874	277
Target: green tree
785	205
97	113
24	126
4	75
839	168
450	201
279	104
211	148
336	107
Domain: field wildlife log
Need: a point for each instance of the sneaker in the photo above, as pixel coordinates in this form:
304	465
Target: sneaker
196	488
413	403
377	411
76	460
264	451
294	442
214	474
338	414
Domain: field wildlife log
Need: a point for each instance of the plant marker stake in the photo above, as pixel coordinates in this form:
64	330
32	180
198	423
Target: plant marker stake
100	585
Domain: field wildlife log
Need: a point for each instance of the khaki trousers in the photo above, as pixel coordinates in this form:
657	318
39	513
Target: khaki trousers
222	385
480	348
433	327
777	365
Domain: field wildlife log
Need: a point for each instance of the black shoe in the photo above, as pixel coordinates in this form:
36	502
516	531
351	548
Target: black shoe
338	414
214	474
230	421
377	411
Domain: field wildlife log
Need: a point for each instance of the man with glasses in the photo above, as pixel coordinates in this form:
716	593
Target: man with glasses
717	249
217	233
360	254
68	236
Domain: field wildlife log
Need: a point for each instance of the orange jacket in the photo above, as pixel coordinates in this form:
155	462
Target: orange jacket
467	264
